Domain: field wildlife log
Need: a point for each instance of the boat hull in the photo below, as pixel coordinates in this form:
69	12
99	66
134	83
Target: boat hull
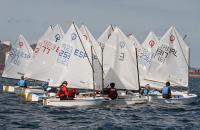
177	98
31	94
92	101
9	89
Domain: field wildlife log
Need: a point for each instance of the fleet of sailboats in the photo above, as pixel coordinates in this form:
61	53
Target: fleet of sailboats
92	65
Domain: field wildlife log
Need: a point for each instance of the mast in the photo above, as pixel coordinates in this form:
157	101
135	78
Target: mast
93	72
138	71
102	47
188	70
188	62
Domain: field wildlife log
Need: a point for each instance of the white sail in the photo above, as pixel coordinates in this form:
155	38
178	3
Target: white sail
53	33
45	55
134	40
176	37
147	49
169	63
151	42
105	35
90	38
75	54
97	56
143	58
18	59
120	61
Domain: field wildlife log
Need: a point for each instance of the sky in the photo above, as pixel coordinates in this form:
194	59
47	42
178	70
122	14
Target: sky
32	17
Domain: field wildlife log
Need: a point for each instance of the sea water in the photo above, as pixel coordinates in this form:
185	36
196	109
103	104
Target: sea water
16	114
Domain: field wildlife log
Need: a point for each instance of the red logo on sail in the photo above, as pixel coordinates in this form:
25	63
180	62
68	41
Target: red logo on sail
151	43
85	37
172	38
21	44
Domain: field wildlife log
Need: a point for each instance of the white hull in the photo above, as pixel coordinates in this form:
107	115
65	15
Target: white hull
9	89
177	98
36	97
31	94
93	101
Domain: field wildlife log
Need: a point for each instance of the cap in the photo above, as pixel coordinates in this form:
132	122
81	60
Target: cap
64	82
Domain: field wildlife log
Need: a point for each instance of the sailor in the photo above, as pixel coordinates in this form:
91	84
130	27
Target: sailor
146	89
166	91
66	93
112	91
22	82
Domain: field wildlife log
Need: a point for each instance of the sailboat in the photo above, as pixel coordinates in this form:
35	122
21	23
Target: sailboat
120	64
170	63
72	68
77	69
44	55
17	61
46	46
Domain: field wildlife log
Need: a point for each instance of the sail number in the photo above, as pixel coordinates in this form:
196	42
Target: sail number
16	55
163	52
67	51
45	47
64	54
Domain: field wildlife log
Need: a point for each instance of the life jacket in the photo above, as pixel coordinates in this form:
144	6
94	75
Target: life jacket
67	92
61	92
72	92
22	83
165	90
146	91
112	93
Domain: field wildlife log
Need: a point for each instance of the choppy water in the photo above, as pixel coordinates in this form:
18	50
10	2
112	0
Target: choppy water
19	115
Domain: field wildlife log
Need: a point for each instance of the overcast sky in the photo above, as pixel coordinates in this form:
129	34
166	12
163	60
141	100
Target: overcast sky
32	17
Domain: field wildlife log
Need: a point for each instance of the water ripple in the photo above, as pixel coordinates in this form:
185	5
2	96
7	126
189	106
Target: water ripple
19	115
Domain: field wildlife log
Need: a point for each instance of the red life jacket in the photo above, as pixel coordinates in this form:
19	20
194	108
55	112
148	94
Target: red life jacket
112	93
72	92
63	91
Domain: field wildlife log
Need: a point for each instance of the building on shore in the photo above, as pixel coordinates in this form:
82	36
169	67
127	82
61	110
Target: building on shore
4	48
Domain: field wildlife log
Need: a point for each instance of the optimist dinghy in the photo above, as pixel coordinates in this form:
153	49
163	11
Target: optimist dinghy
170	63
177	98
88	99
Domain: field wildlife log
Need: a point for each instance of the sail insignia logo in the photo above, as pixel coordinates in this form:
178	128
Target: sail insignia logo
57	37
172	38
73	36
122	44
85	37
151	43
21	44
